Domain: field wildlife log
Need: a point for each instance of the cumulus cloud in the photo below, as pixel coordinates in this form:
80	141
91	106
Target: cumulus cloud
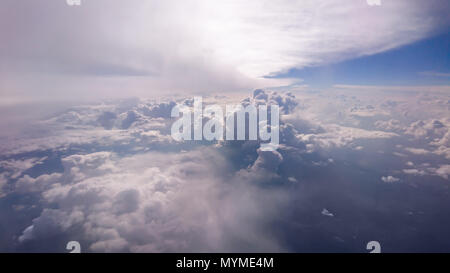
417	151
327	213
389	179
28	184
13	168
443	171
340	136
149	203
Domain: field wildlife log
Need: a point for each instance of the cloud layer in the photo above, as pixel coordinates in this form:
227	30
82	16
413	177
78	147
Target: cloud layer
110	176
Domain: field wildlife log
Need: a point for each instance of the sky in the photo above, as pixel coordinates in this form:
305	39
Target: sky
86	151
51	50
425	62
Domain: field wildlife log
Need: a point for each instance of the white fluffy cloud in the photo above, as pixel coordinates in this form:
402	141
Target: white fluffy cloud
14	168
151	203
389	179
443	171
340	136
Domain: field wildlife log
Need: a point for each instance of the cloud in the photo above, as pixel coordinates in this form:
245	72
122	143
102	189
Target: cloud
389	125
340	136
417	151
327	213
443	171
13	168
28	184
389	179
151	203
267	160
